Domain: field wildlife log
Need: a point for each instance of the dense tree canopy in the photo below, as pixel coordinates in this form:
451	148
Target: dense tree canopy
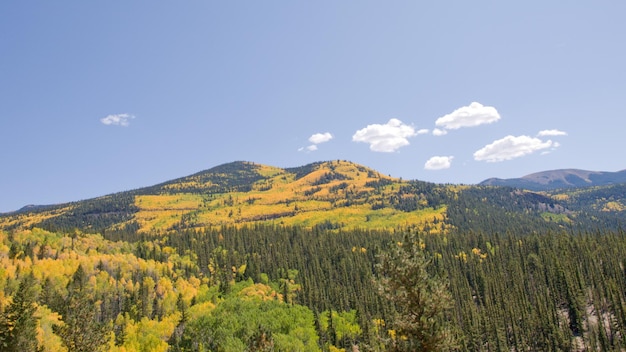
312	289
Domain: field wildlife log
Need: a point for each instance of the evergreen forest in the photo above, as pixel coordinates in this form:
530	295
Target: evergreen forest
330	256
296	289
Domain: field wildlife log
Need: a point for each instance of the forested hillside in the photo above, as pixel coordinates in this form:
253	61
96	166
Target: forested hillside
303	289
334	194
246	257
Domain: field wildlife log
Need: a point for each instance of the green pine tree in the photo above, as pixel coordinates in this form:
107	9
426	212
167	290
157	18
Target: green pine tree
421	300
18	324
81	330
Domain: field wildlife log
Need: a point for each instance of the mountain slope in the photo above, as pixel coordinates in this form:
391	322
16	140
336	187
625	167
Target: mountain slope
331	194
335	194
564	178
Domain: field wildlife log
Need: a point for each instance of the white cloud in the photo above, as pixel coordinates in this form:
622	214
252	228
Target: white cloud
117	119
551	133
553	148
316	139
385	138
439	132
310	148
511	147
423	131
320	138
468	116
438	163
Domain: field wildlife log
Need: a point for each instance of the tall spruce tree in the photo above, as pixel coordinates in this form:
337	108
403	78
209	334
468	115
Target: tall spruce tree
18	324
81	330
420	299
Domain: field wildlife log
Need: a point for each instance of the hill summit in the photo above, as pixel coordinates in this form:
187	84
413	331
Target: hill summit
329	195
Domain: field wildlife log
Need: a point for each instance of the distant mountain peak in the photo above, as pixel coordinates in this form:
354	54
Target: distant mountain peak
561	178
546	177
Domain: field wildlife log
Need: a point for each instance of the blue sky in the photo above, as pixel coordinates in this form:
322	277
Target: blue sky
98	97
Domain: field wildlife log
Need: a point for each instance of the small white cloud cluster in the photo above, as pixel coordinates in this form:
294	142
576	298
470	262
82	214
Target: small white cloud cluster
117	120
475	114
316	139
551	133
507	148
439	132
438	163
510	147
395	134
472	115
386	138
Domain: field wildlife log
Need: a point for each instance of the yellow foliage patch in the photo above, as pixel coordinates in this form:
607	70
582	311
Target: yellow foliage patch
560	197
261	292
26	220
161	212
183	201
613	206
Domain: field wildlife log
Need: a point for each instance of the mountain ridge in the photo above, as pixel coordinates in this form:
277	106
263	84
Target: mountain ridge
335	194
559	178
537	181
